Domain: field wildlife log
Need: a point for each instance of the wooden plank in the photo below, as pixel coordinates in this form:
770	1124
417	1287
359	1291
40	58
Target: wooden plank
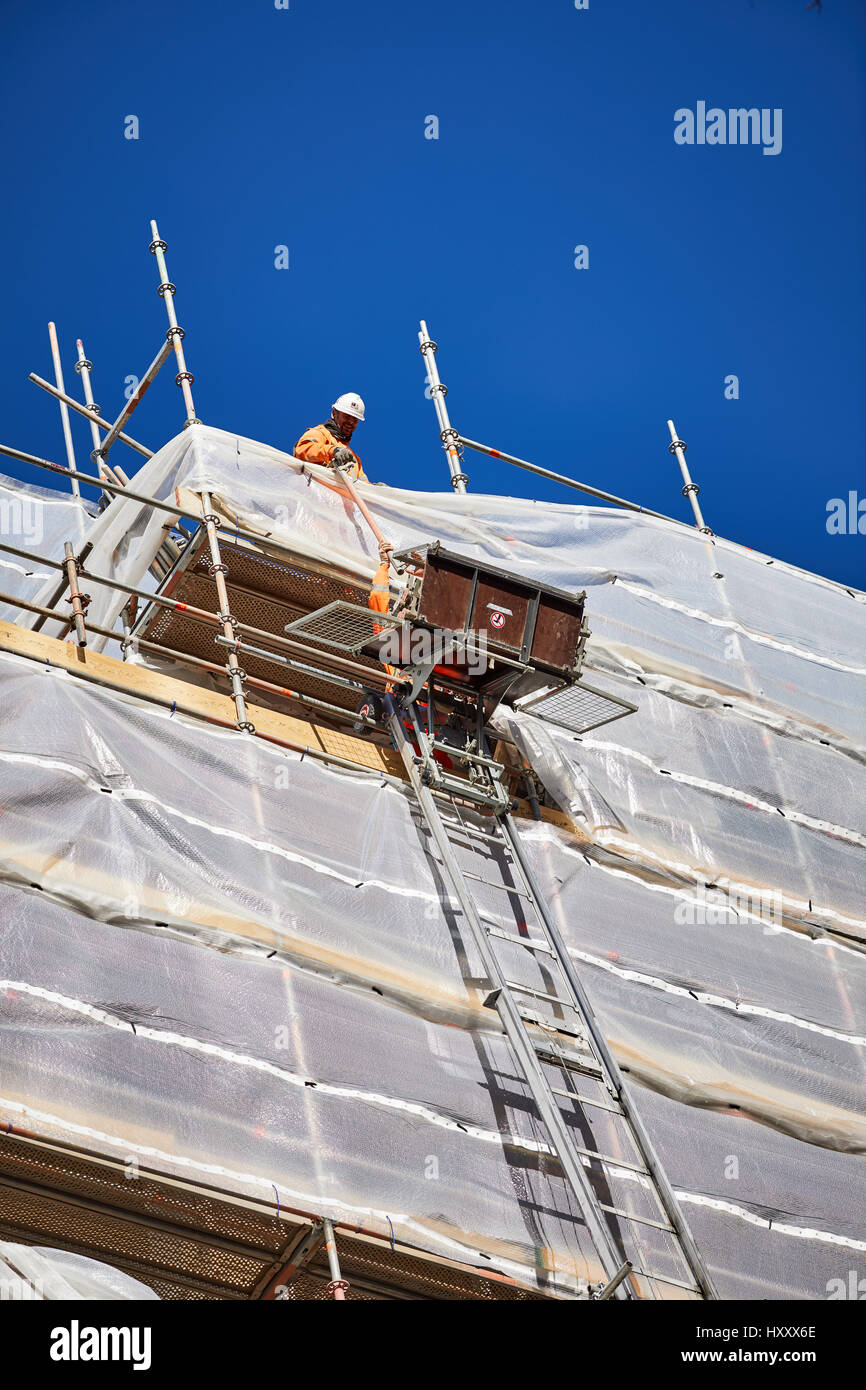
271	725
153	686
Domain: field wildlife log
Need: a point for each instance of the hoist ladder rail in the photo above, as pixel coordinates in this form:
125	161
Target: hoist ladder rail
664	1190
515	1029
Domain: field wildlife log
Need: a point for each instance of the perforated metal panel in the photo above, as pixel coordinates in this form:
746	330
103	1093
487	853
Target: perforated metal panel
190	1243
421	1279
290	582
265	593
312	1286
577	708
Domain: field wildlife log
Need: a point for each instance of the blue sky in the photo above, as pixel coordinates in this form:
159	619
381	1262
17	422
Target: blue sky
305	127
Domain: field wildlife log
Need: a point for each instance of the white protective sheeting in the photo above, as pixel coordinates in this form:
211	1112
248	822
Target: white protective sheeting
29	1272
246	967
39	521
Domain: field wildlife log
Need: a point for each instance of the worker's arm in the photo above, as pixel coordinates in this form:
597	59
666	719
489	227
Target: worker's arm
315	446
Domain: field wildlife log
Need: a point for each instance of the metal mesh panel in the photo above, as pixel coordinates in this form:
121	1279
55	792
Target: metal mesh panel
95	1182
266	574
312	1286
184	634
578	708
425	1280
173	1291
104	1235
171	1287
188	1244
346	626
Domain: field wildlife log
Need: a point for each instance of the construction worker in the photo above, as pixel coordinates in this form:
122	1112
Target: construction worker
378	601
329	443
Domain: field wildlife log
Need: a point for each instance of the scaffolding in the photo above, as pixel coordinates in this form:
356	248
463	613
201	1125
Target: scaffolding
249	613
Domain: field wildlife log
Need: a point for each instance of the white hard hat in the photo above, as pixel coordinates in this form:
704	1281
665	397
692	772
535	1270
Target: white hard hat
350	404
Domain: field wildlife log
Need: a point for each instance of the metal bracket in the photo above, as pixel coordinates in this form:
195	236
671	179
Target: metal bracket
420	675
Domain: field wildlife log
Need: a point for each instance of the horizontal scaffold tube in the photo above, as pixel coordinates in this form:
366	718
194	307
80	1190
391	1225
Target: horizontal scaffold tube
568	482
213	666
200	615
89	414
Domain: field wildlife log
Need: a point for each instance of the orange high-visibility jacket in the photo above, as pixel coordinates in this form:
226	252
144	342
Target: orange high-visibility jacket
379	599
317	445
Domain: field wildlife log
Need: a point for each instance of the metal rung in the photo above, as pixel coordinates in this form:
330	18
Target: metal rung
502	887
455	797
566	1062
530	942
642	1220
539	994
666	1279
491	919
465	755
496	800
555	1025
471	830
549	1025
615	1162
571	1064
585	1100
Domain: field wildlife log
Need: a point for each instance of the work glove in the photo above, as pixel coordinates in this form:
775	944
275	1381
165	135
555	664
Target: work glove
342	457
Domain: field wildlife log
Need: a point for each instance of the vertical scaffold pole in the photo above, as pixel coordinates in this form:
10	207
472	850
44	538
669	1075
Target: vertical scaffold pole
338	1285
175	333
126	618
677	447
84	367
64	409
75	595
217	570
447	432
